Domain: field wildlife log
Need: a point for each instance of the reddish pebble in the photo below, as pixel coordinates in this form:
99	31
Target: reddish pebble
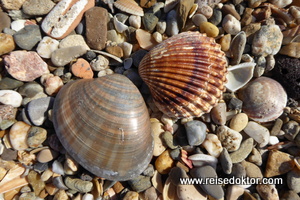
82	69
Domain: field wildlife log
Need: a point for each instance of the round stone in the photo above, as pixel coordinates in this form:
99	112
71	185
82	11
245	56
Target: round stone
196	132
36	136
10	97
82	69
164	162
7	43
37	110
18	135
46	46
210	29
239	122
231	25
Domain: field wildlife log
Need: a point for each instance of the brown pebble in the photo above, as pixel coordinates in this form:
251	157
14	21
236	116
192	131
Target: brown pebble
96	27
35	181
82	69
115	50
7	43
164	162
278	163
46	155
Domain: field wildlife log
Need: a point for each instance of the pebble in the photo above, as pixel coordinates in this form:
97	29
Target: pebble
46	46
291	130
161	26
99	63
239	122
235	104
293	180
255	157
210	29
281	3
237	48
7	43
151	193
28	37
205	10
73	40
206	171
61	195
37	7
10	97
18	135
35	181
218	114
225	161
63	56
82	69
37	110
225	42
145	39
176	154
212	145
231	25
7	116
78	184
238	171
59	183
12	5
230	9
96	27
149	21
199	160
199	19
252	170
57	167
115	50
135	21
51	83
25	65
278	163
140	183
87	196
46	155
158	37
131	195
216	18
267	40
244	150
233	192
230	139
36	136
190	192
290	195
5	21
258	132
127	49
164	162
183	9
172	24
267	191
30	91
196	132
157	131
291	50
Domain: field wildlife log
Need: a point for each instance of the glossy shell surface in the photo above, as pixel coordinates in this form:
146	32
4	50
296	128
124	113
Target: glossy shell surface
104	125
186	74
263	99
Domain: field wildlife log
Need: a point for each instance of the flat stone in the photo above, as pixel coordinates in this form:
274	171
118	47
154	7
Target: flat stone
46	46
25	66
225	161
211	189
73	40
96	27
7	43
140	183
258	132
252	170
172	24
10	97
150	21
63	56
145	39
267	191
28	37
5	21
242	153
183	9
7	83
278	163
45	155
37	7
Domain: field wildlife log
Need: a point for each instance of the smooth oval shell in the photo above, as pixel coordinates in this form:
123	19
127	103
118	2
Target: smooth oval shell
263	99
186	74
104	125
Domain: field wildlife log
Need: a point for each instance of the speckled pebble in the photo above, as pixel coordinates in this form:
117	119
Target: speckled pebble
36	136
82	69
205	10
37	7
278	163
78	184
73	40
37	110
18	135
7	43
213	145
51	83
140	183
164	163
244	150
196	132
230	139
7	116
25	66
231	25
218	114
239	122
267	191
210	29
258	132
10	97
46	46
63	56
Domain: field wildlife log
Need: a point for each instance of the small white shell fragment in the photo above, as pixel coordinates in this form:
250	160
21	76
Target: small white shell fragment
258	132
10	97
46	46
213	145
119	26
129	6
17	25
87	196
203	159
18	135
135	21
273	140
239	75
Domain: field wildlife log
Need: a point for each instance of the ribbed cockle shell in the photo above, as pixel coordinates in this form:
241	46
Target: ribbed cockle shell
104	125
186	74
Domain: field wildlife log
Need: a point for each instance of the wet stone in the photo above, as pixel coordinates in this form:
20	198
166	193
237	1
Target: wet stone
196	132
28	37
140	183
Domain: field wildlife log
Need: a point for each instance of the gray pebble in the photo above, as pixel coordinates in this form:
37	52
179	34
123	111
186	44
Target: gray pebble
149	21
207	171
175	174
235	104
37	7
216	18
5	21
244	150
276	127
9	154
196	132
198	19
28	37
149	171
134	76
140	183
138	56
59	183
40	167
231	25
237	47
291	129
63	56
36	136
256	157
225	161
175	154
167	137
238	170
172	25
7	83
260	66
218	114
37	110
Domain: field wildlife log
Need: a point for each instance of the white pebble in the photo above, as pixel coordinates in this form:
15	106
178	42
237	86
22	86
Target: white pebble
58	168
161	26
18	135
87	196
99	63
119	26
17	25
158	37
135	21
258	132
203	159
127	49
213	145
10	97
231	25
46	46
273	140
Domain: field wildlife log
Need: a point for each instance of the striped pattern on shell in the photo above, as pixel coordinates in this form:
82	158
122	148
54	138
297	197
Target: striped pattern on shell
104	125
186	74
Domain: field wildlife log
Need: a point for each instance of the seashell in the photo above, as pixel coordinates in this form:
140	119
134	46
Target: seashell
104	125
263	99
203	159
186	74
129	6
119	26
239	75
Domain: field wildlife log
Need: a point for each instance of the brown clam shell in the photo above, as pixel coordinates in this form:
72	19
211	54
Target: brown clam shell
186	74
104	125
263	99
